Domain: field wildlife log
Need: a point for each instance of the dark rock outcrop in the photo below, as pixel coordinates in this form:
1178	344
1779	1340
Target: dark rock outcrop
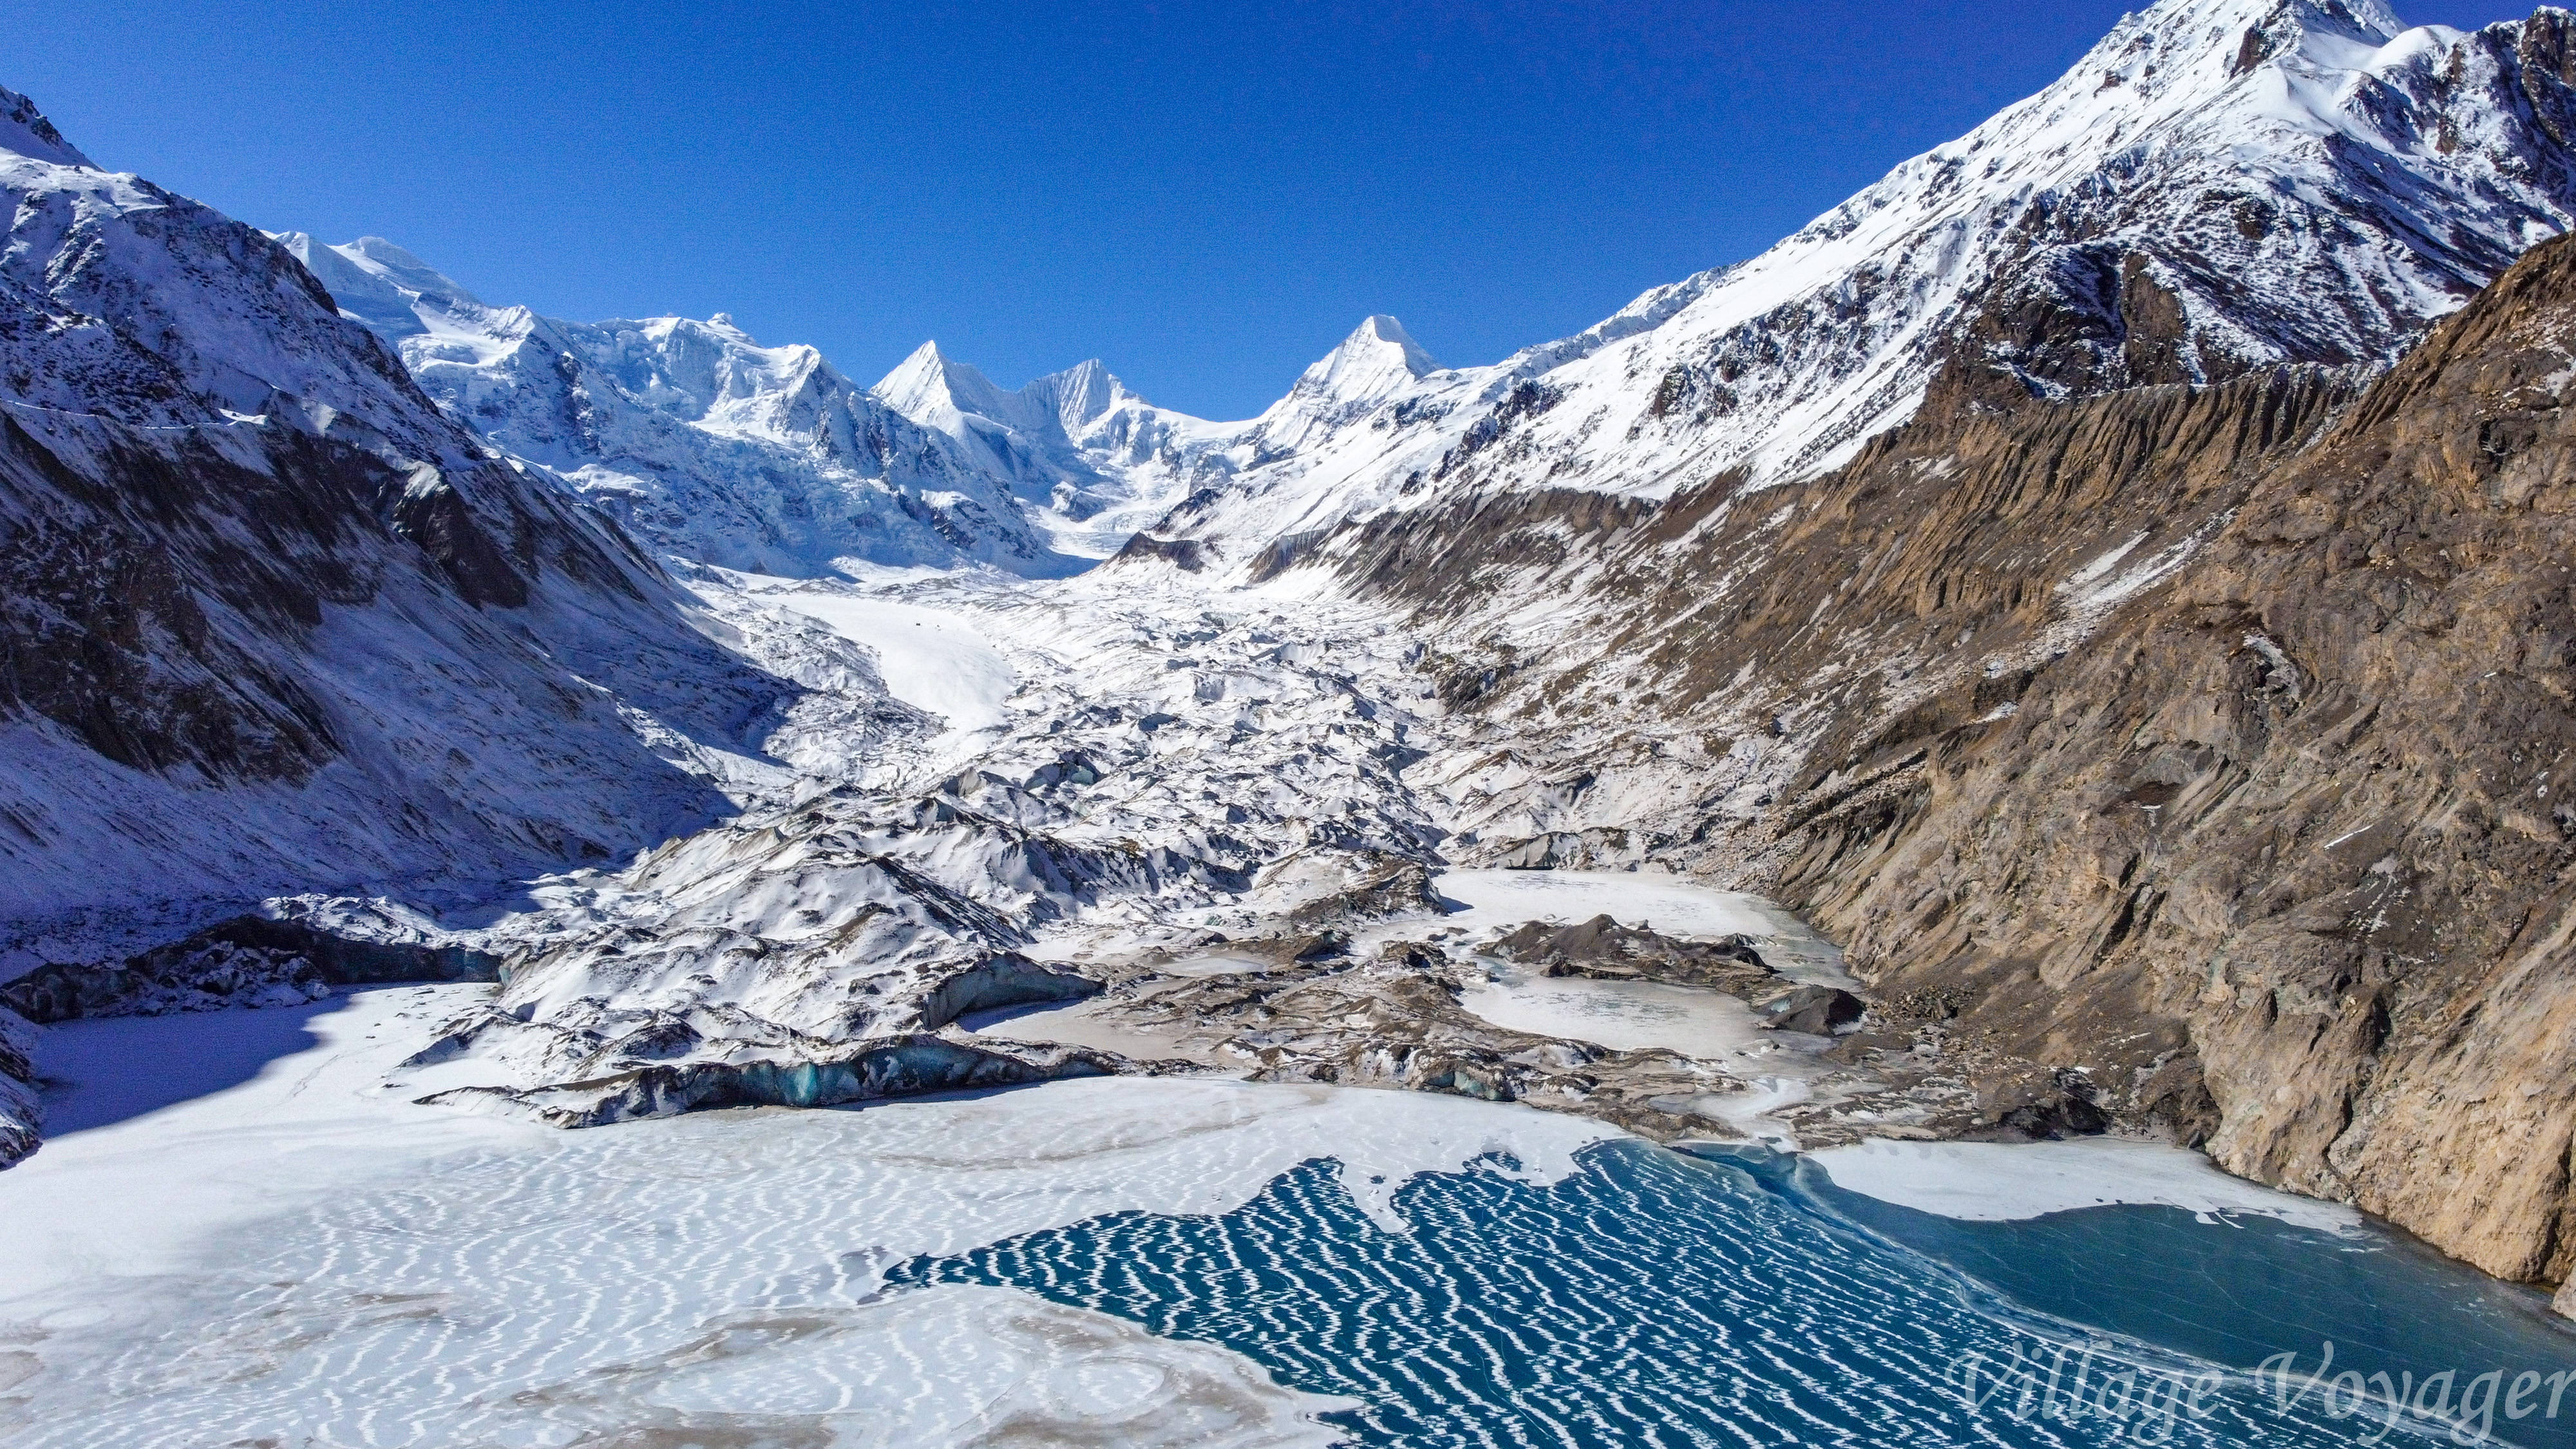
231	963
1601	947
1815	1010
1189	555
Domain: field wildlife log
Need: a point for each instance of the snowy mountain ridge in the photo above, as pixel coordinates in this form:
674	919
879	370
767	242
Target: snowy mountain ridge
1095	460
2218	186
273	621
690	433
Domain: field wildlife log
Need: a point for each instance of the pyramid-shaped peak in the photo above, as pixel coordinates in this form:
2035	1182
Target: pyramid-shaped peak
1078	394
930	379
1378	357
1382	331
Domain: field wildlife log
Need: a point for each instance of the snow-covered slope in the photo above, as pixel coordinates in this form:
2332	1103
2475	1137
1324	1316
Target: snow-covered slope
2218	186
271	621
691	434
1097	461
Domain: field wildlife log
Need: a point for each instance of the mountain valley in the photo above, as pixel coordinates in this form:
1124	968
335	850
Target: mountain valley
2074	642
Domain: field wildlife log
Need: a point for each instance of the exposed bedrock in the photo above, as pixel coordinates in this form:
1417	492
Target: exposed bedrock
2301	802
247	960
2201	746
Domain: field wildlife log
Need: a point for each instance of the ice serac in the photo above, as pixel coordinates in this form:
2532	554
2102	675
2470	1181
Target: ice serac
273	622
2218	187
692	435
1092	460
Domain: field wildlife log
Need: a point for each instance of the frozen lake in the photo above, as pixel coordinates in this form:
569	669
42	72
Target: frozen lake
281	1249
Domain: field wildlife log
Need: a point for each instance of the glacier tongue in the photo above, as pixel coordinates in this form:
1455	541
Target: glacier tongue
1142	764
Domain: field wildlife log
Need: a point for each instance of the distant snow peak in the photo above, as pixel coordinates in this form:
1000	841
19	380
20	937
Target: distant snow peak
1379	354
930	379
1377	362
275	620
378	283
689	432
2217	187
1093	460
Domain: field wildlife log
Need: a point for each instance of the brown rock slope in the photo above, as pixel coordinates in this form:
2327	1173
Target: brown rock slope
2300	802
2213	742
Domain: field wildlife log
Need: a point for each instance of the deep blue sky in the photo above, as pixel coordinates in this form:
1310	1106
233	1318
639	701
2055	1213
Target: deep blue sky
1207	196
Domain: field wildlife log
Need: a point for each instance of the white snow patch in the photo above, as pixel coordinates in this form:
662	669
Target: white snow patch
306	1252
2007	1182
1626	1015
2087	590
931	659
1671	904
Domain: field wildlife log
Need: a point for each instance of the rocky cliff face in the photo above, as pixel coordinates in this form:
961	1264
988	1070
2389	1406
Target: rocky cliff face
2199	747
2301	802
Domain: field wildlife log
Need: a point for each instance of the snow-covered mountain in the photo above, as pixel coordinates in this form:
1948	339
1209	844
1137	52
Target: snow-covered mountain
2217	187
271	621
1094	460
1106	463
691	434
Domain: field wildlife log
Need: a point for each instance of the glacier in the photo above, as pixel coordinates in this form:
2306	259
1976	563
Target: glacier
774	740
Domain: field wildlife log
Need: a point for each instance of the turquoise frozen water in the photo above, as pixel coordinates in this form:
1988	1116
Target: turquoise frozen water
2241	1289
1661	1298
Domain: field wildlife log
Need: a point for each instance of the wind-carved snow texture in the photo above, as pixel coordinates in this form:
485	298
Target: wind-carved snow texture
2217	187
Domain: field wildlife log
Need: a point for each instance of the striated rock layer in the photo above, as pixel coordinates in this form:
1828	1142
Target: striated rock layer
2202	747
